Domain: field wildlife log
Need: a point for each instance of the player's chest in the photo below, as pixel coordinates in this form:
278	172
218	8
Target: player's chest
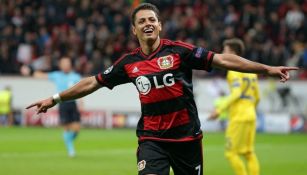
157	73
157	65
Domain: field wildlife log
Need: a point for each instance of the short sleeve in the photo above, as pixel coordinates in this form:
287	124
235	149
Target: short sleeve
195	57
113	76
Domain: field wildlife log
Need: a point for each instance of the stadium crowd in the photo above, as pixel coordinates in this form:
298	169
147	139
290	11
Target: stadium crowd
95	33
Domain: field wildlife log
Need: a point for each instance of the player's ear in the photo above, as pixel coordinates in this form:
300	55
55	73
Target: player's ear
160	26
133	30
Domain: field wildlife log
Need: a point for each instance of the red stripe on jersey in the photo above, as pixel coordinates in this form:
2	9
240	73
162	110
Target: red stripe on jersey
152	66
167	121
209	56
99	76
208	60
163	93
185	139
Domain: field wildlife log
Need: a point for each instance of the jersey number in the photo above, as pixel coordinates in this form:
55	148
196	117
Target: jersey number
249	84
198	169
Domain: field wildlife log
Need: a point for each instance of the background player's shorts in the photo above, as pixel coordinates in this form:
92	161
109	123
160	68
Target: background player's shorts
240	136
69	112
185	158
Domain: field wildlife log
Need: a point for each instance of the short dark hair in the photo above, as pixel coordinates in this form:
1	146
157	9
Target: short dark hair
144	6
236	45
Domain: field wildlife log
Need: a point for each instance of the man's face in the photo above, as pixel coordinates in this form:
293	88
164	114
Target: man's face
65	65
228	50
146	25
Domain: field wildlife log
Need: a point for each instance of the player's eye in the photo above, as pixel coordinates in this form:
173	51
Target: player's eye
141	21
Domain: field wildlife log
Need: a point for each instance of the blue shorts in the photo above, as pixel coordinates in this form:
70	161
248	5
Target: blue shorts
69	112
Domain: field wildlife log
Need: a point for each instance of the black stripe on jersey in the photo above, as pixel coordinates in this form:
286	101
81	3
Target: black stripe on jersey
174	133
164	107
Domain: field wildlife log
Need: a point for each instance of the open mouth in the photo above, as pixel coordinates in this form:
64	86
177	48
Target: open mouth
148	30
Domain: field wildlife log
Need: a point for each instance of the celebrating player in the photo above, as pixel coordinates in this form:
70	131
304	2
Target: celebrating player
241	104
69	113
169	129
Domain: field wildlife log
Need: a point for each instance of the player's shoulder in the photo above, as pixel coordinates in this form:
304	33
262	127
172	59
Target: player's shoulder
250	75
75	74
125	58
237	74
55	73
177	44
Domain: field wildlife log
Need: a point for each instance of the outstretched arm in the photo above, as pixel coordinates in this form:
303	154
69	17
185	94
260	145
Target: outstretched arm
237	63
81	89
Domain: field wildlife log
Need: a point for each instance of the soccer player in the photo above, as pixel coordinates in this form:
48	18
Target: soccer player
169	129
241	104
6	113
69	113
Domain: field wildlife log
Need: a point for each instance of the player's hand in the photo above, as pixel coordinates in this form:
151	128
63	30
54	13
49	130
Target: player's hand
281	72
213	116
42	106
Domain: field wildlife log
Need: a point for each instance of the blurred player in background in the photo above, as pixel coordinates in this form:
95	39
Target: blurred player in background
223	116
69	113
168	131
241	104
6	113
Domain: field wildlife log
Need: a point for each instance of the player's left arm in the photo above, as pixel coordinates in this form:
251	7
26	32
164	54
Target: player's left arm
240	64
234	96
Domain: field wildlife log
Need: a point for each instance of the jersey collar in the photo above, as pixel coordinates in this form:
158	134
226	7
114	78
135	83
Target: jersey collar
153	53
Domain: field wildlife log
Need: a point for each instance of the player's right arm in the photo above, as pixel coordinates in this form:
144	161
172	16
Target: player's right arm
81	89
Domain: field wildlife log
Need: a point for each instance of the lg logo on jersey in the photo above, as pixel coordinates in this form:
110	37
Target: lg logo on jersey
144	86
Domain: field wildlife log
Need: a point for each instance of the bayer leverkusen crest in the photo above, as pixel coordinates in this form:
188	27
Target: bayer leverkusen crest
166	62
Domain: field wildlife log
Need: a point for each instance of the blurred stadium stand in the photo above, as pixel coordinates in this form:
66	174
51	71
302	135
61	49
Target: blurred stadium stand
95	33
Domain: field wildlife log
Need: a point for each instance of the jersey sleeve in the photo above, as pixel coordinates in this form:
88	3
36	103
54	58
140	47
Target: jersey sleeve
113	76
195	57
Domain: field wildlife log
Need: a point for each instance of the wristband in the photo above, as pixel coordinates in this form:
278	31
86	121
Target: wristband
57	98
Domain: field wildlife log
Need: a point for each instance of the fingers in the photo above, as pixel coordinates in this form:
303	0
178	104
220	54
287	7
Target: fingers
32	105
290	68
285	75
41	109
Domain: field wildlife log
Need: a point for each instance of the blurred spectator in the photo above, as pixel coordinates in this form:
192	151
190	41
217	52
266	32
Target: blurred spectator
95	33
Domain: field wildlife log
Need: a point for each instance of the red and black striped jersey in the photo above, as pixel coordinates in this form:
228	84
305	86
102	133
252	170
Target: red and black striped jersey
164	82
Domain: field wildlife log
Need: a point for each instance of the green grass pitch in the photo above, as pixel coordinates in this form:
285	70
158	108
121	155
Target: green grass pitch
40	151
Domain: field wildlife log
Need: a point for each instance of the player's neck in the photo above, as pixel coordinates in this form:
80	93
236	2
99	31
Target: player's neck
150	46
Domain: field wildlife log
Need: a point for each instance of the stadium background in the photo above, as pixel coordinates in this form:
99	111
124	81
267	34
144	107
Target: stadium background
95	33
